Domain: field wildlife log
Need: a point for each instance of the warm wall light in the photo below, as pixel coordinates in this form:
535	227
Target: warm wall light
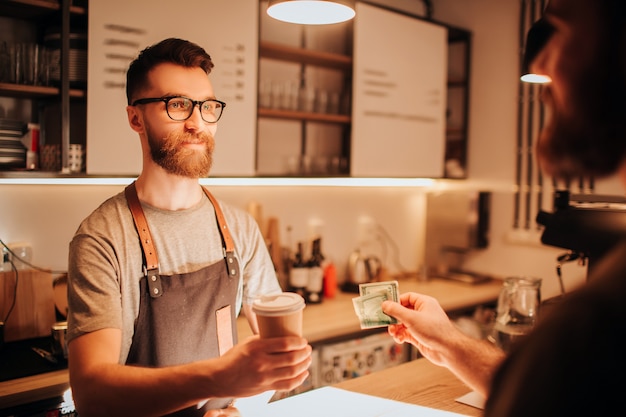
537	37
311	12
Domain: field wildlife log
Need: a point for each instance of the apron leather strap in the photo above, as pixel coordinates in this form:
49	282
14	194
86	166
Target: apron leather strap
149	250
145	237
229	245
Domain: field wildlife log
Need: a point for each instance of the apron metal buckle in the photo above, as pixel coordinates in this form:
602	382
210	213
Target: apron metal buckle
231	264
154	282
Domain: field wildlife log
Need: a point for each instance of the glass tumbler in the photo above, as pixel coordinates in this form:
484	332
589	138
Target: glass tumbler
517	310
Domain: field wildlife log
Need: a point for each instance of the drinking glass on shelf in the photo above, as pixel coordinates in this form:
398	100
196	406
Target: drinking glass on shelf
15	63
5	62
333	102
45	60
265	94
30	63
321	101
290	96
307	99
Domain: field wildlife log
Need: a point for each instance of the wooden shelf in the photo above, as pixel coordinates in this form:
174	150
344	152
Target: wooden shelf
31	9
306	116
35	91
305	56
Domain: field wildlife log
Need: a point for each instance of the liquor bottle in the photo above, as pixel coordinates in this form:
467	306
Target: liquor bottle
299	273
315	285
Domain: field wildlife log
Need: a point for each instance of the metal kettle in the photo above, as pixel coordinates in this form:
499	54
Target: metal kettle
362	269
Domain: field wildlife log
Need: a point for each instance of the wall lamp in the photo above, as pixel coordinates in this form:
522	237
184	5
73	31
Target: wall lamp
311	12
536	39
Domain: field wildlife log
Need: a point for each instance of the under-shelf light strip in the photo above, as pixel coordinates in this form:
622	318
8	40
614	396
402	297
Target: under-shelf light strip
283	181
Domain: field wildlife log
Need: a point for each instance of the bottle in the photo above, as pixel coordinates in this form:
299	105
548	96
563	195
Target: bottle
299	273
32	154
330	280
315	285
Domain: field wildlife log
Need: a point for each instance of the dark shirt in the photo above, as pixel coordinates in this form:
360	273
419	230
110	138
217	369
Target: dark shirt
574	361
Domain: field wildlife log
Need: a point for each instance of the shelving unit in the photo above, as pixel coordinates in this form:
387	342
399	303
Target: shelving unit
304	116
459	42
63	13
306	58
66	14
456	134
36	91
34	9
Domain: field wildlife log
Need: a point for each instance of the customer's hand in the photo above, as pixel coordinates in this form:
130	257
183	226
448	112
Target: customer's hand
258	365
424	324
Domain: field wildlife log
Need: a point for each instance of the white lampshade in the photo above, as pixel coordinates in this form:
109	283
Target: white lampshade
311	12
539	33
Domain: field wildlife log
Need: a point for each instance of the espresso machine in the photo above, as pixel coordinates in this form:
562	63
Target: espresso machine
588	225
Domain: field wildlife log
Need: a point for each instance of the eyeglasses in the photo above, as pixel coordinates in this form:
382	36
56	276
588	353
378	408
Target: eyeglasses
180	108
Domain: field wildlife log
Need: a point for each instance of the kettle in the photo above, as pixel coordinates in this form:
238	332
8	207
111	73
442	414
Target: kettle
362	269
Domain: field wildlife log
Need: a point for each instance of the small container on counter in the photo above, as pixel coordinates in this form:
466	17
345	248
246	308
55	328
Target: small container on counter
59	346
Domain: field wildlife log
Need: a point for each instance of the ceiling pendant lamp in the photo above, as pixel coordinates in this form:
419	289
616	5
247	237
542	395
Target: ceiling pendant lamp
311	12
537	37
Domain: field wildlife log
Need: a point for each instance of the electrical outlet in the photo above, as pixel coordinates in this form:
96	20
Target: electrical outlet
21	252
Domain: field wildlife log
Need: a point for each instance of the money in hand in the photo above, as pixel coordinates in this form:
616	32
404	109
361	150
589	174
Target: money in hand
368	306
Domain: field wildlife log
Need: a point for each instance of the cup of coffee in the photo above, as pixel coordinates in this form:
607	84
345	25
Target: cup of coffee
279	314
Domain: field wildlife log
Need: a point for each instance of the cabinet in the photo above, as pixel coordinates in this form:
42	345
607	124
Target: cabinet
303	115
404	97
56	105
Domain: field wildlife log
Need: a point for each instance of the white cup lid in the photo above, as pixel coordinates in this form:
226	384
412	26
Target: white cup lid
278	304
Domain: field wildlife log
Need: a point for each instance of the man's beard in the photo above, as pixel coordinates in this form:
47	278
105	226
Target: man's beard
170	154
590	139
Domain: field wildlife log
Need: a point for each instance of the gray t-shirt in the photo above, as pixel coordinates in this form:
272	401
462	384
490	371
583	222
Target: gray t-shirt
105	260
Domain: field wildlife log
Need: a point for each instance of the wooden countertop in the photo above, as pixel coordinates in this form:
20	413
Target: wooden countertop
332	318
33	388
336	317
417	382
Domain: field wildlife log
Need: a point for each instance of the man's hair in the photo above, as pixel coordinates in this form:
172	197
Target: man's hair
172	50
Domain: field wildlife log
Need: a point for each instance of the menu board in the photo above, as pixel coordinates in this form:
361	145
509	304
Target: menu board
399	95
120	29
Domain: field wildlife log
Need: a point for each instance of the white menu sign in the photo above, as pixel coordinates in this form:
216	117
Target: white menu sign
399	95
119	29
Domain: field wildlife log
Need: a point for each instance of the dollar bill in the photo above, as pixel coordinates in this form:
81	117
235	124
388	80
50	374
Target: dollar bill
368	306
390	287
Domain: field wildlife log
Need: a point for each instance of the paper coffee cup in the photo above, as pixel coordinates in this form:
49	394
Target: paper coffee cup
279	314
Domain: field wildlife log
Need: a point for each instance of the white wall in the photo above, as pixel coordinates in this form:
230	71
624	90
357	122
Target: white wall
46	216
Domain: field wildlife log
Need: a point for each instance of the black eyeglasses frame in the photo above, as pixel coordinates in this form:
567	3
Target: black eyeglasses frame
195	103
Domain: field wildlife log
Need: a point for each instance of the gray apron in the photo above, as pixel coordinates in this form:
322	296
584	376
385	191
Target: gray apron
184	317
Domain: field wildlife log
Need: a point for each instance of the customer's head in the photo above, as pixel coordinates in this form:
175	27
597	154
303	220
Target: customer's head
174	51
586	58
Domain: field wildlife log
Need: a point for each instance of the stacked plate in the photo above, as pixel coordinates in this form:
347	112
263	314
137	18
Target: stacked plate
12	150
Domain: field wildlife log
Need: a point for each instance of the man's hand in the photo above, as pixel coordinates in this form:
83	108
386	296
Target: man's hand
257	365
